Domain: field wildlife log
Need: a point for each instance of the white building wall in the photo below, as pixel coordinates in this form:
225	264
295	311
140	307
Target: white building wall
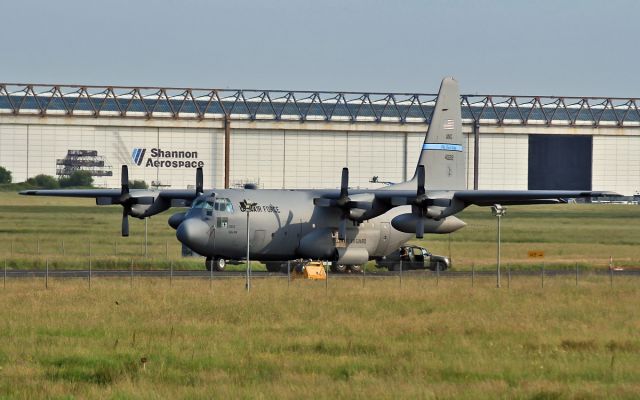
293	155
504	161
14	150
29	150
314	159
616	164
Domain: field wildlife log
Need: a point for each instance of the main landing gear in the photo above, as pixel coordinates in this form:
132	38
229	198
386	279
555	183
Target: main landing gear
217	264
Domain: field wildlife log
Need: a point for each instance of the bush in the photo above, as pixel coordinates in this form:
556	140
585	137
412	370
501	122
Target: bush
77	178
44	181
5	175
138	185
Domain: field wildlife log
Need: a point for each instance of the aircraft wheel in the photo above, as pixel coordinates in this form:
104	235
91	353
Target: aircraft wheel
338	268
273	267
217	264
356	269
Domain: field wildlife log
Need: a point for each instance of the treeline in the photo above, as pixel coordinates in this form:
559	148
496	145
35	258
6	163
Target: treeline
76	179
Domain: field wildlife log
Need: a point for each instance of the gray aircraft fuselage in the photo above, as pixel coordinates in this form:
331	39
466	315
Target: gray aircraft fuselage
283	225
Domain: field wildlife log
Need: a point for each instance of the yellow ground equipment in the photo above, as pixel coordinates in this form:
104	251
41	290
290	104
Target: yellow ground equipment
311	270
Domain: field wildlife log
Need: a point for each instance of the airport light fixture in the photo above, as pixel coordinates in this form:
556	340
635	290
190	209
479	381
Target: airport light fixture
249	205
498	211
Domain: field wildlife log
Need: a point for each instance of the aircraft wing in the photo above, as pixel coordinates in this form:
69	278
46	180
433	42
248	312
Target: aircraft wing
88	193
508	197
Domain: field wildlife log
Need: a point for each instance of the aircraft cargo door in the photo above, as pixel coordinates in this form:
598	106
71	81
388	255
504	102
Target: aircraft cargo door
257	242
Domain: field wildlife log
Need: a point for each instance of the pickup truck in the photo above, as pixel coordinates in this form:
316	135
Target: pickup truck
413	257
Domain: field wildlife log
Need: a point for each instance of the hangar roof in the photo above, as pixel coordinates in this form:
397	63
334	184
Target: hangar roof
192	103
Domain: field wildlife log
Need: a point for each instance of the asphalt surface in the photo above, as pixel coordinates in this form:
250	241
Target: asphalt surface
59	273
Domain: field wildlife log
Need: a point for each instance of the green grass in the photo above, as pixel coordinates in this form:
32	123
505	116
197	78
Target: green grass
33	229
378	341
381	341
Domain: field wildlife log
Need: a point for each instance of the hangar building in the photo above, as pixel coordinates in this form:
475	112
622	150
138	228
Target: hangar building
285	139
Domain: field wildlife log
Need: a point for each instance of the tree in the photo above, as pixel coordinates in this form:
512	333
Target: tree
44	181
77	178
138	185
5	175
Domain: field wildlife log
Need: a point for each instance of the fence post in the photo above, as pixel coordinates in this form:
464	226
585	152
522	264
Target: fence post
166	249
63	247
171	273
611	277
437	274
211	278
473	274
89	248
46	275
89	273
131	274
326	281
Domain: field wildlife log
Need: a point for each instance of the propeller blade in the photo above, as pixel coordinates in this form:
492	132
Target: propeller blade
344	183
199	181
124	179
420	228
342	229
420	180
125	222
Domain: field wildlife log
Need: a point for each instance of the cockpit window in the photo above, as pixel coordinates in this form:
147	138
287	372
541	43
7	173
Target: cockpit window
223	204
202	203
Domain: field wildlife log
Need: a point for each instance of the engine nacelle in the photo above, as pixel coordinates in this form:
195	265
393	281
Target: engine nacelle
352	255
176	219
318	245
407	223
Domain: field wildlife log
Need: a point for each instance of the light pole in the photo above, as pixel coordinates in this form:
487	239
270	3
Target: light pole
248	205
499	212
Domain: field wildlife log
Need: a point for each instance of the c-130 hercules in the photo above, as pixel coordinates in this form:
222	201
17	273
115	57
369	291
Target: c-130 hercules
348	227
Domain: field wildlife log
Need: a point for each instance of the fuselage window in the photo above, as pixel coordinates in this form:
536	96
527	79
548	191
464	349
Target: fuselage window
222	222
229	206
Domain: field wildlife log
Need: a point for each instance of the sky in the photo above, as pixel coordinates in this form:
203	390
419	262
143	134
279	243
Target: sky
552	47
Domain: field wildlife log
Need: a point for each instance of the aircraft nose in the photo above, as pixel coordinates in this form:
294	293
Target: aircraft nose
194	233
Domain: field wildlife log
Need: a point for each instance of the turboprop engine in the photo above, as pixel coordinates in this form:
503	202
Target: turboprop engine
408	223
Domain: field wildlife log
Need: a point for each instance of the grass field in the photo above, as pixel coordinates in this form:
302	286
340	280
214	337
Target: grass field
33	229
377	341
380	341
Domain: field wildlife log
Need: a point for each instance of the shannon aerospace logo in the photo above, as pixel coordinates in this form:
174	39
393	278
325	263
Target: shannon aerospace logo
159	158
137	155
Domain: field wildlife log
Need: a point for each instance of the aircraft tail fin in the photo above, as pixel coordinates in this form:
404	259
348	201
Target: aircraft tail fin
443	155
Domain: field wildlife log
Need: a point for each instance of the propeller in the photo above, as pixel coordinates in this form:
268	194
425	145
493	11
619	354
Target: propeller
420	205
346	204
199	182
127	201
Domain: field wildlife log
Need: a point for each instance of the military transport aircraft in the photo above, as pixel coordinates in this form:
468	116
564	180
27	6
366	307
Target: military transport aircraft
348	227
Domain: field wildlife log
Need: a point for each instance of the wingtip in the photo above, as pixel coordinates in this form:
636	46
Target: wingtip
27	192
